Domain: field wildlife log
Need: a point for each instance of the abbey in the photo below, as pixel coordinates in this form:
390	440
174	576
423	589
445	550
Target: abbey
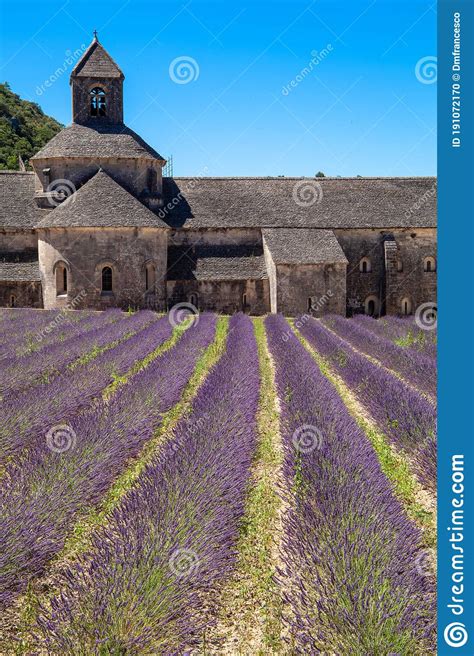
96	225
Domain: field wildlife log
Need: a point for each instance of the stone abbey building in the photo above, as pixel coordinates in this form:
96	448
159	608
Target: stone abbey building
97	225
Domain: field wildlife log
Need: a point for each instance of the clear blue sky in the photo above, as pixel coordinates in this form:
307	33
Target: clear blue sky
361	110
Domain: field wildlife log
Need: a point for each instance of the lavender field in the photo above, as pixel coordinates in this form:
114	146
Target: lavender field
219	485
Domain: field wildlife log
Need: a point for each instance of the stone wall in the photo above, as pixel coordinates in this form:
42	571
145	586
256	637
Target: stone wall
226	297
20	294
324	284
413	246
217	237
81	88
132	173
18	241
85	251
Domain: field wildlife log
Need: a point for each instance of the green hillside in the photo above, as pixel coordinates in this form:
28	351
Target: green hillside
24	128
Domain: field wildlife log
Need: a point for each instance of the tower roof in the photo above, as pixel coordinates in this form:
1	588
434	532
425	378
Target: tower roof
96	62
97	140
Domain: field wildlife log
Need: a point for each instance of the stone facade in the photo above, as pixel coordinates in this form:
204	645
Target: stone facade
96	225
382	281
86	251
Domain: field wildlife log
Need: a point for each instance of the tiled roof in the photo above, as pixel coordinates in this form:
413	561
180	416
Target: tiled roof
96	62
303	246
101	203
299	202
17	204
215	263
97	139
19	271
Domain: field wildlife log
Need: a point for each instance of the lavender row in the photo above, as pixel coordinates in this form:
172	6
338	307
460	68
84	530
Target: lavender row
22	372
405	416
29	414
402	332
416	368
25	327
350	572
66	324
72	468
147	584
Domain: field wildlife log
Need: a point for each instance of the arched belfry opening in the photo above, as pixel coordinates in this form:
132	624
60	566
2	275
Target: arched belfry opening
98	103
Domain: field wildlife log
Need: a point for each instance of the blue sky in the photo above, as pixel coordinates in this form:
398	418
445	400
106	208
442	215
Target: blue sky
360	111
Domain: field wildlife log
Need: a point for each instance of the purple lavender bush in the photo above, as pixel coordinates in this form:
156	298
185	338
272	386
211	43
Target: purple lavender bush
148	582
20	372
402	331
350	576
72	466
416	368
406	417
28	414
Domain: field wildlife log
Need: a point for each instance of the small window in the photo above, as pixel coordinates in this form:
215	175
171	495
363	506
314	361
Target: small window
193	299
12	301
151	182
98	104
399	266
244	301
310	303
406	306
371	306
429	265
107	279
149	277
365	265
61	280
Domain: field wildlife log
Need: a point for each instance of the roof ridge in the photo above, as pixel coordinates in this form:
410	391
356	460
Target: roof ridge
8	172
301	177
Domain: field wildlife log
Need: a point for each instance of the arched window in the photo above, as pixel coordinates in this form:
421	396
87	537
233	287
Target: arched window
365	265
98	103
244	302
399	266
61	280
406	305
12	301
150	276
371	306
193	299
107	279
429	265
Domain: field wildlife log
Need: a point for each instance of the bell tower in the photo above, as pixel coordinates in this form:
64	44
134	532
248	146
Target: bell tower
97	87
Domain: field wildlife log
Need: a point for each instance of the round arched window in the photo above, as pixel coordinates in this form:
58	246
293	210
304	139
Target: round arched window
406	305
429	264
98	102
107	279
365	265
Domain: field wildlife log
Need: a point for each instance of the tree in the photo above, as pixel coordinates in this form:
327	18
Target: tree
320	174
24	128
